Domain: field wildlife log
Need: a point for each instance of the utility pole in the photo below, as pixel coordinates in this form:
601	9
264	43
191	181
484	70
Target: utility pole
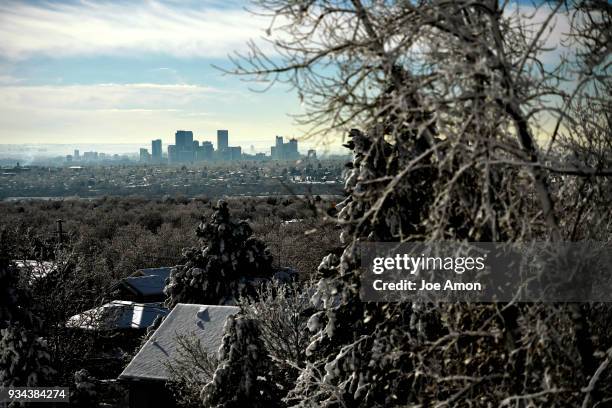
60	232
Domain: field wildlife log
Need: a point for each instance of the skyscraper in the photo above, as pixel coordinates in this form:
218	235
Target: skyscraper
145	157
285	151
184	146
277	149
222	140
235	152
184	139
90	156
156	151
172	155
205	151
291	151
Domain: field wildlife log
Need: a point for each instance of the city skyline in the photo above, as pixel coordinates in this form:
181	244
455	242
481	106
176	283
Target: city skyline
78	72
187	149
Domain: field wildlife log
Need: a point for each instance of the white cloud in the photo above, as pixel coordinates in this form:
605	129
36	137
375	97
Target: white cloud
136	96
126	28
9	79
105	111
101	113
138	112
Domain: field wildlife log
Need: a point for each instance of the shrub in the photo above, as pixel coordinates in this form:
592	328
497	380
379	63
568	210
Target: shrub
281	312
190	370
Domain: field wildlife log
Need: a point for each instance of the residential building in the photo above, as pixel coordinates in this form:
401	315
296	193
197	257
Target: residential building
118	315
147	373
144	285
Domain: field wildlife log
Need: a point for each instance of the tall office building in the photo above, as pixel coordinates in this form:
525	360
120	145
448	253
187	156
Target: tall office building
291	151
184	146
156	151
77	154
183	139
235	153
285	151
208	146
222	140
205	151
90	156
145	157
172	155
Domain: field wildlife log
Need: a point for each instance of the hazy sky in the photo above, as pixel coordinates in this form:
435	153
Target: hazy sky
131	71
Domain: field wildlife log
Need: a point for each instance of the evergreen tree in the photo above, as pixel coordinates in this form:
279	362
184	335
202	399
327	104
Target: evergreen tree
24	359
244	375
84	393
228	265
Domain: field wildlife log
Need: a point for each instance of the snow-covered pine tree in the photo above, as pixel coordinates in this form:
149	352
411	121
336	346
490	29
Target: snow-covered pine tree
244	375
84	393
454	98
230	261
24	359
385	354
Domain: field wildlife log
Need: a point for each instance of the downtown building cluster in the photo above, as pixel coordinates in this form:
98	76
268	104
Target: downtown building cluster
187	150
284	151
94	157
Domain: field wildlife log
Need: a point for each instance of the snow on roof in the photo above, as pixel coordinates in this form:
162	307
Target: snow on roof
118	314
292	221
147	282
206	322
147	285
163	272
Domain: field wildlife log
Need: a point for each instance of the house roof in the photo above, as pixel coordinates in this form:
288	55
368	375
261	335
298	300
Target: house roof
206	322
147	282
118	314
162	272
146	285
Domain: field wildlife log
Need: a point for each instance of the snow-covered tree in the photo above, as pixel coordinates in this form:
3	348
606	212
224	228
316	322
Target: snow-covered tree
24	358
244	376
228	264
84	392
468	123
